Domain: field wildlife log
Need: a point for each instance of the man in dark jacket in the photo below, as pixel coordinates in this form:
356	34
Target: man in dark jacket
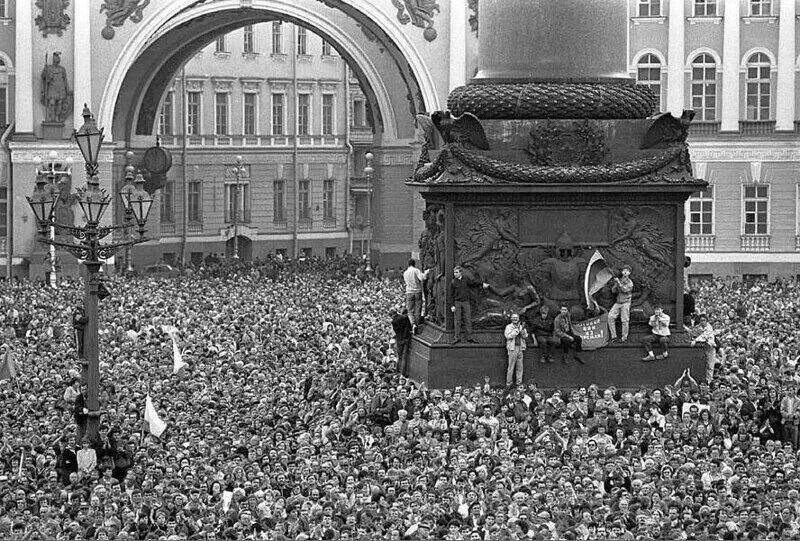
542	328
462	309
402	338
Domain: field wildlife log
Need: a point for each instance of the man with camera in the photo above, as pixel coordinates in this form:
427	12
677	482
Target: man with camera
515	334
623	287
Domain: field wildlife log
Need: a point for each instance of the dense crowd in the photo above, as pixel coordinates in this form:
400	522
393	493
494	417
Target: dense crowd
291	422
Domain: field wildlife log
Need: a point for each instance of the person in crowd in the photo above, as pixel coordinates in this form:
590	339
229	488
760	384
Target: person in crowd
705	337
516	335
622	286
402	337
542	328
282	425
413	278
565	333
659	334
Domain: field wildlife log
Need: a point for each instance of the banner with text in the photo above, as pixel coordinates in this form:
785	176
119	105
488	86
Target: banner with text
593	332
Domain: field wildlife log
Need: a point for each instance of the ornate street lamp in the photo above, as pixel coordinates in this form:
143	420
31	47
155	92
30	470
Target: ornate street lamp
368	172
238	171
93	202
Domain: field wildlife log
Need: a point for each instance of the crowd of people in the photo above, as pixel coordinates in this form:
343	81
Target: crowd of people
291	422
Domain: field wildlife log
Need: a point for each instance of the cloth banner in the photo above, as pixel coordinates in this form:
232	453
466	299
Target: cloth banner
157	426
597	275
177	359
593	331
9	368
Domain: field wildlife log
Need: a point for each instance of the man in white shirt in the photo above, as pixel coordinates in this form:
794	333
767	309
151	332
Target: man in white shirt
659	325
413	277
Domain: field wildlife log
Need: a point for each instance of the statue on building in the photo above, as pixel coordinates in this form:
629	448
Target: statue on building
55	90
419	13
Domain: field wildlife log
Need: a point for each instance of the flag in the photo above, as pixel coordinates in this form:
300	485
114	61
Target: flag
597	275
9	368
157	426
177	358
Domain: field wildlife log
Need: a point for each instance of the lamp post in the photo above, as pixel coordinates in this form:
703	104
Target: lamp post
368	172
238	171
125	192
55	173
93	202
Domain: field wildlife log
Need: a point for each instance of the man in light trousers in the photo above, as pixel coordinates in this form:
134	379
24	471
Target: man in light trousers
515	345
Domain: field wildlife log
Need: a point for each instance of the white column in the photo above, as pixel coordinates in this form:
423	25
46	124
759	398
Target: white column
82	61
784	111
675	59
458	43
730	67
23	94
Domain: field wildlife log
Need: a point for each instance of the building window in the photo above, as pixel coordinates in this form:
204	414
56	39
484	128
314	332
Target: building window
165	125
330	252
758	87
328	198
248	44
237	208
279	201
327	114
649	8
3	106
302	40
705	8
193	113
221	113
277	37
305	200
220	44
303	114
760	7
704	87
277	114
168	202
648	73
327	50
194	211
359	113
701	212
3	9
250	113
756	210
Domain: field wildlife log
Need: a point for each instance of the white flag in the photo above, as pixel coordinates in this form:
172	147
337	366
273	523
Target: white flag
177	358
157	426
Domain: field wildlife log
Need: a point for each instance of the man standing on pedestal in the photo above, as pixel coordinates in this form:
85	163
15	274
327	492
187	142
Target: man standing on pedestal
623	287
413	277
462	308
515	344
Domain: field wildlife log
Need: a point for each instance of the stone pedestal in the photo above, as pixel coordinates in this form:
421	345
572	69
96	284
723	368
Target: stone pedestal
52	131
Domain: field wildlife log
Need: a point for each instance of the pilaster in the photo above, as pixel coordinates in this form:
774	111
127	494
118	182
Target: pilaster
23	94
785	105
82	61
458	43
675	58
730	67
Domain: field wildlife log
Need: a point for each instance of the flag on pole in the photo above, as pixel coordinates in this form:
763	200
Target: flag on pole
597	275
8	370
157	426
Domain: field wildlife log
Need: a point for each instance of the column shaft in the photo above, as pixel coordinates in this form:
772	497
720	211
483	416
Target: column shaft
730	68
675	59
82	61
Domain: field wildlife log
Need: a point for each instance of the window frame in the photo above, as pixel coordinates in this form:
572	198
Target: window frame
304	192
167	202
194	192
245	96
702	199
279	213
248	39
282	132
227	113
199	116
761	63
221	44
243	198
704	6
644	8
169	104
309	120
327	48
277	37
646	62
302	39
760	8
704	96
332	113
4	217
756	199
329	199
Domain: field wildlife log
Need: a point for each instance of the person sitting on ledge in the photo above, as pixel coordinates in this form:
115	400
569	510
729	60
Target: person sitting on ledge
659	324
565	332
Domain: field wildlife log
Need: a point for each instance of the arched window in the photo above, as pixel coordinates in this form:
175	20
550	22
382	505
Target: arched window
758	87
648	72
704	87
